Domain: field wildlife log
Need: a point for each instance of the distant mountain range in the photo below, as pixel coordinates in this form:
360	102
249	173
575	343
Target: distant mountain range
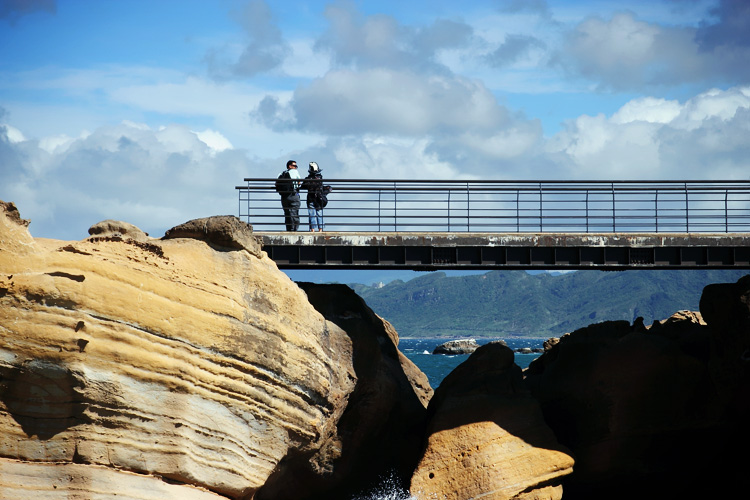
515	303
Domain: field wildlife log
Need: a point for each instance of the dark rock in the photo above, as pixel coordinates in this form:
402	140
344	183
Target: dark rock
662	409
454	347
221	231
382	427
14	215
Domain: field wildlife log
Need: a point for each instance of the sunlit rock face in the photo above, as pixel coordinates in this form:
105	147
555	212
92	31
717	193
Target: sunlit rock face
171	368
486	437
661	409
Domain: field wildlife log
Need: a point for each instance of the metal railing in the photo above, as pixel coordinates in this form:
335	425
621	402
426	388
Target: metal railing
489	206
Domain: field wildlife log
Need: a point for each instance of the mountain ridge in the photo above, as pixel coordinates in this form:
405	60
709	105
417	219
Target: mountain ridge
515	303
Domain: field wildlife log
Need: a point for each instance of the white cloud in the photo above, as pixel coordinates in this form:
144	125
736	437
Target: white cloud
705	137
214	140
385	101
157	178
152	178
626	53
715	103
647	109
12	134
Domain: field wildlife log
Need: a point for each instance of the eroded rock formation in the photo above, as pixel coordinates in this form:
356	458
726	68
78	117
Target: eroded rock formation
453	347
486	436
656	411
382	428
190	367
125	359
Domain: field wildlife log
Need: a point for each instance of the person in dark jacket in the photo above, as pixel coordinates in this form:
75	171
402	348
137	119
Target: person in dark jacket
314	183
290	199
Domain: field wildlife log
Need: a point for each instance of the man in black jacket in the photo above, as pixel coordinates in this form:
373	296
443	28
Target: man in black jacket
290	199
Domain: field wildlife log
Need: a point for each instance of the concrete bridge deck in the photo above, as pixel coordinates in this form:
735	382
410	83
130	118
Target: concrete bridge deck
454	250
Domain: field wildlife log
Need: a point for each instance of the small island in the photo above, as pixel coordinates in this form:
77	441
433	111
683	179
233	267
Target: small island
455	347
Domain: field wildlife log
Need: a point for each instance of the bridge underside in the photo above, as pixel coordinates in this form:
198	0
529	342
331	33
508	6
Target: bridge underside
434	251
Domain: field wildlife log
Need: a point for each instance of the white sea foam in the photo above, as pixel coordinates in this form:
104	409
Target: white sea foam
388	489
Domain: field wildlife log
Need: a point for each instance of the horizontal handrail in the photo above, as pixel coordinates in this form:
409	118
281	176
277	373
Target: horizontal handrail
513	206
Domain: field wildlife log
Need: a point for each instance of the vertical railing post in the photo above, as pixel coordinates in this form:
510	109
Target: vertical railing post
449	209
726	210
468	208
541	210
518	210
614	209
687	210
587	210
380	209
656	211
395	207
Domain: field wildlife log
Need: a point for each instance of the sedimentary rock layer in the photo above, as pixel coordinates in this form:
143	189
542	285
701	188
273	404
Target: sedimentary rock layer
192	360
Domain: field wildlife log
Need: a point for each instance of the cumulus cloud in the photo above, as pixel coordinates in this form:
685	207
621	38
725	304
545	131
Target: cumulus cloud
159	177
386	80
702	138
380	41
154	179
264	50
626	53
513	48
384	101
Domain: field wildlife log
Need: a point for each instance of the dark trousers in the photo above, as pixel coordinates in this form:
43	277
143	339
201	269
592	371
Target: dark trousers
290	204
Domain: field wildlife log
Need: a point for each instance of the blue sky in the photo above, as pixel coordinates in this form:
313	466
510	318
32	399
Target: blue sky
151	112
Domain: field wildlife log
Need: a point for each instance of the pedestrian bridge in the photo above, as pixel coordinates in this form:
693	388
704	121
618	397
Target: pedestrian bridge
440	224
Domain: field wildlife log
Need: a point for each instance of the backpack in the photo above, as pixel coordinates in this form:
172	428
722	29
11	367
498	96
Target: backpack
284	183
321	196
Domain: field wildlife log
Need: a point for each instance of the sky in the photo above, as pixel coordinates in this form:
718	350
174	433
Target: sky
152	112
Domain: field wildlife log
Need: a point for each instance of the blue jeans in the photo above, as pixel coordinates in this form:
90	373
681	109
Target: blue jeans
316	217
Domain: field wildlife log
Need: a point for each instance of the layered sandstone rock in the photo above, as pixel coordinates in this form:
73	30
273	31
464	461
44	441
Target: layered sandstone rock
487	437
641	409
125	360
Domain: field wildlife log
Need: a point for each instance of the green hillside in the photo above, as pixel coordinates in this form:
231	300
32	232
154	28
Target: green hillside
515	303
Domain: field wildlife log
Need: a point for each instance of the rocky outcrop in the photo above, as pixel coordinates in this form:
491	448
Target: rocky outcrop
486	436
221	232
657	409
454	347
117	229
381	430
160	368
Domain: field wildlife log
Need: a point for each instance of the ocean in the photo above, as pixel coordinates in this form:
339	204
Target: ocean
437	366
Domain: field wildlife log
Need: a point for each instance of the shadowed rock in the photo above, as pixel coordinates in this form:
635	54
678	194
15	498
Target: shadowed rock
454	347
222	231
12	213
486	437
382	427
661	410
